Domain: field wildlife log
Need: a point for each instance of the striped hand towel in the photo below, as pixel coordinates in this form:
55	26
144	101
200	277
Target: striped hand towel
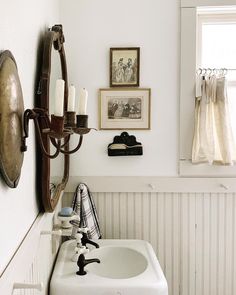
84	206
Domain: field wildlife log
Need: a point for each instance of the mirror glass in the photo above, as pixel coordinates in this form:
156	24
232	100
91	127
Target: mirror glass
56	165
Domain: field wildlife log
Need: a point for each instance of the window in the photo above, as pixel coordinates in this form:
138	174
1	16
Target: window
212	34
217	49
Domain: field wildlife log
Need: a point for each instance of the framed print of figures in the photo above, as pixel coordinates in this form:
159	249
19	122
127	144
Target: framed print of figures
125	108
124	67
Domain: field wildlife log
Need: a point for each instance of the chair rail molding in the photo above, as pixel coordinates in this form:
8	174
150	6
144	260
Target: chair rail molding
197	3
152	184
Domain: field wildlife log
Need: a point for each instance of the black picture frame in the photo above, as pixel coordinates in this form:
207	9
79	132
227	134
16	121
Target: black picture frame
124	66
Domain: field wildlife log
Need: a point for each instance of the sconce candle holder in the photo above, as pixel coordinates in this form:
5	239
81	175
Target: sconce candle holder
70	119
82	121
57	124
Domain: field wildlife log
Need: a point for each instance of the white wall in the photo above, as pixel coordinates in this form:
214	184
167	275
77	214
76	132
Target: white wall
91	28
21	25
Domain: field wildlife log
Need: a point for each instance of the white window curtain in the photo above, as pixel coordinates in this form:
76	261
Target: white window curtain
213	140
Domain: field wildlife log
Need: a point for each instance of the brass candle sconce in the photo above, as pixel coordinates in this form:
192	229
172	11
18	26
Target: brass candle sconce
55	130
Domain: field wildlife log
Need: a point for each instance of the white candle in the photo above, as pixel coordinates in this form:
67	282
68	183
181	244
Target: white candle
83	98
59	98
71	99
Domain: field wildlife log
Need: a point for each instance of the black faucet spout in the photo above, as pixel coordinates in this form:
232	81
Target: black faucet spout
82	262
92	243
85	241
88	261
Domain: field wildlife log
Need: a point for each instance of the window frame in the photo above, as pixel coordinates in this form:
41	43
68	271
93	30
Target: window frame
191	19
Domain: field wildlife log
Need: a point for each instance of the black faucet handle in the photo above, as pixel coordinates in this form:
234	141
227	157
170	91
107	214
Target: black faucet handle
82	262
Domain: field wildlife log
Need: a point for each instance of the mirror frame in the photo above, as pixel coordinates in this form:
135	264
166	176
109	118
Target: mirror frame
54	40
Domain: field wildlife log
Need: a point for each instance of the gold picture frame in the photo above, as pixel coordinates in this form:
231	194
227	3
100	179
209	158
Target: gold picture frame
124	66
125	108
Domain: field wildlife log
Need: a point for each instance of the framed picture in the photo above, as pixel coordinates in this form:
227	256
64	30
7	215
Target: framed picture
127	108
124	67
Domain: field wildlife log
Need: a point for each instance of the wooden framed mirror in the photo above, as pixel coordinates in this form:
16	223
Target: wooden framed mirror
53	42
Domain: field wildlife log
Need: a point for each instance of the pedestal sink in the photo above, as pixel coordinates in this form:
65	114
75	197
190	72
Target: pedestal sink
128	267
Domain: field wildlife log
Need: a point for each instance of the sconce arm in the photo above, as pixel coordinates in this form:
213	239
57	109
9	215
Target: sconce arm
40	140
74	150
66	141
26	118
34	114
28	114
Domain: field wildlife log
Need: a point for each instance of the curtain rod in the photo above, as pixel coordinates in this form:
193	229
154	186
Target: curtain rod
217	69
205	71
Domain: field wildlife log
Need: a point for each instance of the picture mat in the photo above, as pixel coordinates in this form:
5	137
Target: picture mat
125	95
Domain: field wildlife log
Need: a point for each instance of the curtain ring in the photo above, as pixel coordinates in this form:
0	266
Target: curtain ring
209	70
199	71
204	71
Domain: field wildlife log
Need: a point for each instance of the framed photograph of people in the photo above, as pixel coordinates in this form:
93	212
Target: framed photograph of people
125	108
124	67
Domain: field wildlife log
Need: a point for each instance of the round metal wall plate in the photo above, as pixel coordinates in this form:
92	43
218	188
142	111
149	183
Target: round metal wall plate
11	119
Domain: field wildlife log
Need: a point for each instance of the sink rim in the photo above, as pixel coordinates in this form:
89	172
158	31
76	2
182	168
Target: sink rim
152	278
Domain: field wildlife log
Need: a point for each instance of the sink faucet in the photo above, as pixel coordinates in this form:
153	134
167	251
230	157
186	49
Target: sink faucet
83	231
85	240
82	262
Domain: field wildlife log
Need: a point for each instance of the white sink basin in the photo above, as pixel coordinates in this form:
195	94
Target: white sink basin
128	267
128	262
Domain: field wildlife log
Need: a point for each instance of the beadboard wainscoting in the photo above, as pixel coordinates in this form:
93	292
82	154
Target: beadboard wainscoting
193	234
33	261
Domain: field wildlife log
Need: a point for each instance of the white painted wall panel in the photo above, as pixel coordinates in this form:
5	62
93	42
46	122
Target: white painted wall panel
33	262
91	28
22	25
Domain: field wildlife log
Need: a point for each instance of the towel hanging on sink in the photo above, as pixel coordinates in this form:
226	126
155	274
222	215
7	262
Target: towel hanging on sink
84	206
